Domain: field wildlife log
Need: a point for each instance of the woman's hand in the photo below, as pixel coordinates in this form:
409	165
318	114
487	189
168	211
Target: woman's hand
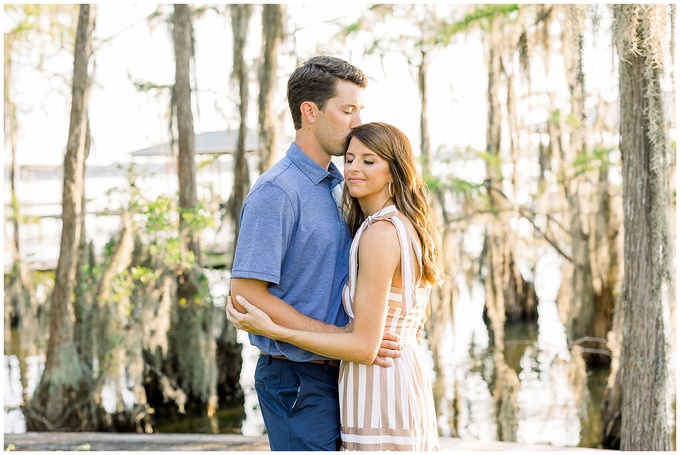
251	319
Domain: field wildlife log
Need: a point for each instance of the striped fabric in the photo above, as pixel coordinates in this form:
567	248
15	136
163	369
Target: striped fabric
390	408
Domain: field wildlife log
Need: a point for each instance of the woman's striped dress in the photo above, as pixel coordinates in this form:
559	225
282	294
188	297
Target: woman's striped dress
390	408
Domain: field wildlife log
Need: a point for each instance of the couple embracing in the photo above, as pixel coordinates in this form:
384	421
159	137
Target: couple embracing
332	281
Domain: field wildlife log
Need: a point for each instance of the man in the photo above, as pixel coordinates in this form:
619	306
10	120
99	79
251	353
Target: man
292	257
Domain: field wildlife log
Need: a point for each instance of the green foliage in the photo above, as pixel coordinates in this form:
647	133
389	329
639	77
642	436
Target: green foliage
480	17
354	27
491	159
158	217
109	247
121	287
23	23
143	86
144	275
207	162
158	222
451	183
45	276
555	117
197	219
91	271
433	183
573	122
458	185
156	214
586	162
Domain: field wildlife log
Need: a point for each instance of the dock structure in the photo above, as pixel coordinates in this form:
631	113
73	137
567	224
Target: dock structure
53	441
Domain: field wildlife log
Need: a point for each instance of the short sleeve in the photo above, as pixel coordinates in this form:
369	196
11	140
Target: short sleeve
266	228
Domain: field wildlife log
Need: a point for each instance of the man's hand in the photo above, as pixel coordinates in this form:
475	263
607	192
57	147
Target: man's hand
390	347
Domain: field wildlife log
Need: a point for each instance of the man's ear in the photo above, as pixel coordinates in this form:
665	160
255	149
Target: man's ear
309	111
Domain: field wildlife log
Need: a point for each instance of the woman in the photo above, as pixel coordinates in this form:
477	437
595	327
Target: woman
394	259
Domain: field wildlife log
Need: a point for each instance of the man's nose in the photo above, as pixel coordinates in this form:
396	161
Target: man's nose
356	121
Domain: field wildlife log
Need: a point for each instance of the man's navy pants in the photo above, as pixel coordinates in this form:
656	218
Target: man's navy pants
299	403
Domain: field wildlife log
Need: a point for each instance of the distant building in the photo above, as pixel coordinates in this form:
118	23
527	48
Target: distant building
209	143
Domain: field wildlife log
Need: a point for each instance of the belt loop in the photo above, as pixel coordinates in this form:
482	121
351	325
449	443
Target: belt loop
325	365
269	359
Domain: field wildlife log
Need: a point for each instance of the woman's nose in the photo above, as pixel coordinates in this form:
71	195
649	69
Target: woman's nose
352	167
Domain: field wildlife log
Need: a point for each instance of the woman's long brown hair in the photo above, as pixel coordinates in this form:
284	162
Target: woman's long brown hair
411	196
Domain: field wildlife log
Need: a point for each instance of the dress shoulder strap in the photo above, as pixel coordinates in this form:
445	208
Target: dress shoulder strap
408	276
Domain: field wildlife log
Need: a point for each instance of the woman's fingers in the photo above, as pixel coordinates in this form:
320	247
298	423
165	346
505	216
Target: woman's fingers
244	302
233	315
251	309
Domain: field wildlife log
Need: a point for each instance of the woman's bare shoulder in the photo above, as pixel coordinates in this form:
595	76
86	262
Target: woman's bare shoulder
379	249
380	235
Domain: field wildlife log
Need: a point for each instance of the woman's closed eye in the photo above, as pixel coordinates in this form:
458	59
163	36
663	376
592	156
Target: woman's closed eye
350	160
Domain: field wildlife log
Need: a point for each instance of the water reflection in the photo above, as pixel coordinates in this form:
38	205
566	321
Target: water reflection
547	409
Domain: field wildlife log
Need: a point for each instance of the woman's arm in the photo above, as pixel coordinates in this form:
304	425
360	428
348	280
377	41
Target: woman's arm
379	257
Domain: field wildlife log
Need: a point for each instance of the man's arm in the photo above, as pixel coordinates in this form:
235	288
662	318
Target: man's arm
257	293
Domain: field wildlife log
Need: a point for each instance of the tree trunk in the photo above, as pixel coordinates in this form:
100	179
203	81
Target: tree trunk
186	162
60	400
272	34
502	282
508	295
193	344
585	299
229	357
424	124
108	314
578	279
493	283
84	282
606	248
644	150
240	18
505	389
442	299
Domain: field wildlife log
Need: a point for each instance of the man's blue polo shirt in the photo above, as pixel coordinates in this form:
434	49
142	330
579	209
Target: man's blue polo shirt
293	236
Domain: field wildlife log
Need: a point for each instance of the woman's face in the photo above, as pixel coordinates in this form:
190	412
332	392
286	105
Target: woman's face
366	173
